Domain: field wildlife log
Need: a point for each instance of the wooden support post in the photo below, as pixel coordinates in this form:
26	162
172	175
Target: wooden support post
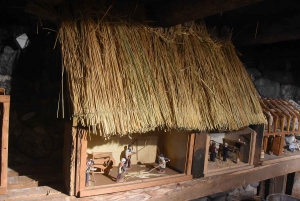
252	148
83	138
296	185
200	152
206	153
190	148
4	143
277	184
259	129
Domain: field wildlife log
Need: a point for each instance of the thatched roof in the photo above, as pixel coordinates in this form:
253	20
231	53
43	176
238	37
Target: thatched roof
126	77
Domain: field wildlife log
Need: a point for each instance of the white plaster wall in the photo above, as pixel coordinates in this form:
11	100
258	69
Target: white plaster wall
218	137
146	144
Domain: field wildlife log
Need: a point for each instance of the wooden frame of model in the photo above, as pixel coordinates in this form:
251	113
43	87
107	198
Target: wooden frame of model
80	170
249	153
282	118
5	101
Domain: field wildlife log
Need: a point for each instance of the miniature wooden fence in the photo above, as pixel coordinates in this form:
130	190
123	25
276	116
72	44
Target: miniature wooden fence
282	118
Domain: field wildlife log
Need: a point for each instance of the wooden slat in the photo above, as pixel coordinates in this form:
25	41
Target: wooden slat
78	159
267	109
83	151
252	147
4	144
4	98
199	155
206	153
189	159
282	133
3	190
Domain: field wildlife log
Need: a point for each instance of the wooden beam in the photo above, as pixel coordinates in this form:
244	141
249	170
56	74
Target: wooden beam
206	156
295	184
232	180
134	185
190	148
4	145
286	29
259	129
199	155
4	98
277	184
177	12
83	150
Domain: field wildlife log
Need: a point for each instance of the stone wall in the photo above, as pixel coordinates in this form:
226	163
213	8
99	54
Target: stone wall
272	83
32	76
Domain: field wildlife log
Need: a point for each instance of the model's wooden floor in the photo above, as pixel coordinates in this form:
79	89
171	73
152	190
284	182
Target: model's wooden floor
136	172
219	163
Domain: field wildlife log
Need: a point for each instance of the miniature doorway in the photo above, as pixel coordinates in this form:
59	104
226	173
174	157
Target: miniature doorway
180	166
239	155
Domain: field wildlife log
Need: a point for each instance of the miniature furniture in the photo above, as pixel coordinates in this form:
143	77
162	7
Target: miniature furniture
103	161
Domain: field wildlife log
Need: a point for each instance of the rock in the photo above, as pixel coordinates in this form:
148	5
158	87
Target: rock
249	188
267	88
254	73
255	184
7	60
5	82
219	194
221	198
234	192
282	77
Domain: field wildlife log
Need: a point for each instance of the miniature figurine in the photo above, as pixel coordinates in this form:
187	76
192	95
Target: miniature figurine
162	161
225	152
121	170
128	154
213	151
89	163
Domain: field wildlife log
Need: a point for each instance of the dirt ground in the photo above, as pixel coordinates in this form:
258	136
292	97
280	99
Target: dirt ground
219	163
136	172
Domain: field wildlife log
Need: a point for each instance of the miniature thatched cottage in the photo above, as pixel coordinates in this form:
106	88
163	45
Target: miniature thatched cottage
160	90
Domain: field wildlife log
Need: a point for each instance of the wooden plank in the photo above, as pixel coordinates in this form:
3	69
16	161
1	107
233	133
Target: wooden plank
282	133
134	185
259	129
206	154
2	91
77	160
199	156
190	149
3	190
277	184
83	151
232	180
294	184
4	144
252	147
4	98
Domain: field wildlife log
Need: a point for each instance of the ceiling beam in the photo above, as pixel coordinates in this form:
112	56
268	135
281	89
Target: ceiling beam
179	11
286	29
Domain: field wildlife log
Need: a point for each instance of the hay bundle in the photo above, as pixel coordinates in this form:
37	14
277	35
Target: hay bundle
126	77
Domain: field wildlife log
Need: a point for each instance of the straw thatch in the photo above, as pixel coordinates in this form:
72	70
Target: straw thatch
125	77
